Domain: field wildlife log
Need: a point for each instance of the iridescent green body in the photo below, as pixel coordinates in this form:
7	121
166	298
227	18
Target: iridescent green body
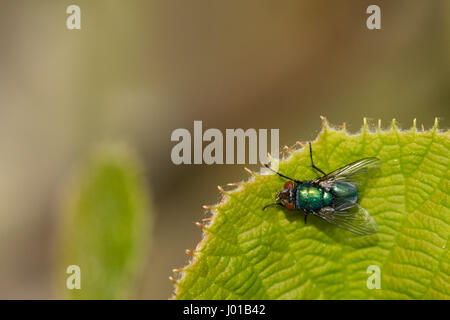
311	197
332	197
345	191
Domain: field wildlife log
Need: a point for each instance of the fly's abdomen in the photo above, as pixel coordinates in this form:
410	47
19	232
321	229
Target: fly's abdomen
345	191
312	198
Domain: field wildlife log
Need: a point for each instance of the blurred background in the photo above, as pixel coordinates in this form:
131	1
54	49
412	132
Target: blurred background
137	70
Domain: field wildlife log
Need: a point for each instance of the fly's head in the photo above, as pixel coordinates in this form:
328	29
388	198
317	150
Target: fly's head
286	195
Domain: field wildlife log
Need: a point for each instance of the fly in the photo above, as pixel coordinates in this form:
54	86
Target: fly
332	197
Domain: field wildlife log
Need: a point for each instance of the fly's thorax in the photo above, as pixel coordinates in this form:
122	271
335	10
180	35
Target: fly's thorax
312	197
327	198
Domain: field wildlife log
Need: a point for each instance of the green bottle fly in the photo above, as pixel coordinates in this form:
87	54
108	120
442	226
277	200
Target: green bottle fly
332	197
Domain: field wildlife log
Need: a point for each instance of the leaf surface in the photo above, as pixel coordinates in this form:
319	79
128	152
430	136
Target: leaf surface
107	226
247	253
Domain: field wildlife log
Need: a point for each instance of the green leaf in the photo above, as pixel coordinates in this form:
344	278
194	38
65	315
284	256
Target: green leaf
107	225
247	253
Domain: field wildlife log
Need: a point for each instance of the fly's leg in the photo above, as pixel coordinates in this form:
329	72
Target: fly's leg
281	175
312	163
273	204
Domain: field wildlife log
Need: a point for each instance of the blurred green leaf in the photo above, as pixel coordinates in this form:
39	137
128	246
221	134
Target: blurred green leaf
107	225
247	253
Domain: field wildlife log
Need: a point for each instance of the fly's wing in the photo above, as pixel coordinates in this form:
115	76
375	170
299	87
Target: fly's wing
356	172
345	212
355	219
341	203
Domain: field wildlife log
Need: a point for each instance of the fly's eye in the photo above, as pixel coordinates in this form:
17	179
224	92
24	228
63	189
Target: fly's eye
289	206
289	185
